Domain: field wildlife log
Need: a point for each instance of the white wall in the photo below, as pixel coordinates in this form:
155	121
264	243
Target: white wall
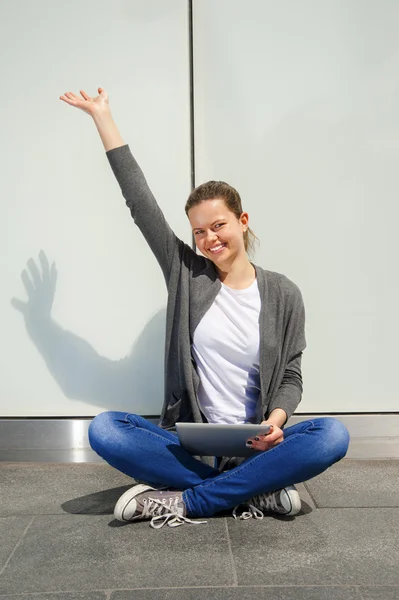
59	194
297	106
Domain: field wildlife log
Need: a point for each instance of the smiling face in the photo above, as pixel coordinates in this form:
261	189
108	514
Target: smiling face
217	232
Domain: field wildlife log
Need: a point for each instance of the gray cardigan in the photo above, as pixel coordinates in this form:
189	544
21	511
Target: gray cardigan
193	284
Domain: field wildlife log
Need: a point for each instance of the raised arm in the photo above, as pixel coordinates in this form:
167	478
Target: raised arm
139	198
98	108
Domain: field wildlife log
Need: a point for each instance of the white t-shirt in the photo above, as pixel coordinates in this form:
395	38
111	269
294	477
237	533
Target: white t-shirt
226	351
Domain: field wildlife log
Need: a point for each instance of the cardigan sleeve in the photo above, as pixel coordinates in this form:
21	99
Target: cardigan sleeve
289	394
144	209
289	391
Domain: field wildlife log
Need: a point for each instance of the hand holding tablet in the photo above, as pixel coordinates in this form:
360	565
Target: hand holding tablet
264	442
213	439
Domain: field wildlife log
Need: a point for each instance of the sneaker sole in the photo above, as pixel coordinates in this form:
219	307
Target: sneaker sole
293	500
126	498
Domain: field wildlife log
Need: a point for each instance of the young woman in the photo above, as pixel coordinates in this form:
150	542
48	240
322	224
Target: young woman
235	334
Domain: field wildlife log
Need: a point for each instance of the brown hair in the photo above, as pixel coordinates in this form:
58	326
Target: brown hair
219	189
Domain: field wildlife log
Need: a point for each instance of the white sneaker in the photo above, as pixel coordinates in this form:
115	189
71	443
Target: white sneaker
285	502
145	502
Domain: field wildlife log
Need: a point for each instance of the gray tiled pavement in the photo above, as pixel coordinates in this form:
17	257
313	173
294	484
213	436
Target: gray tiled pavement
59	541
357	483
47	488
99	595
322	547
11	531
243	593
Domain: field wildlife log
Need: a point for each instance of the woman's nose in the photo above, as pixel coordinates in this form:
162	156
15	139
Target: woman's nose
211	240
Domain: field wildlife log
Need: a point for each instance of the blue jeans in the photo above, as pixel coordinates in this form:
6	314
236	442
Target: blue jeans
146	452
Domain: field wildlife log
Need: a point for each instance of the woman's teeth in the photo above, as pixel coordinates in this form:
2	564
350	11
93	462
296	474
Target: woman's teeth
217	249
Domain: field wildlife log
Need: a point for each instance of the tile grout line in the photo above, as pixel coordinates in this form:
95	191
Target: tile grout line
16	546
108	592
310	494
235	578
359	593
305	496
354	507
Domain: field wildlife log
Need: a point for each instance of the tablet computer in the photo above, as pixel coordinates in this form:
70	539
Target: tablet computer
214	439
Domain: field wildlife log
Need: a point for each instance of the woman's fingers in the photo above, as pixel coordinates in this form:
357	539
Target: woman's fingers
262	446
266	441
69	98
74	100
85	96
90	105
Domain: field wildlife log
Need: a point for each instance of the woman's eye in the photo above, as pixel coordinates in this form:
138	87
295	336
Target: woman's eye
217	225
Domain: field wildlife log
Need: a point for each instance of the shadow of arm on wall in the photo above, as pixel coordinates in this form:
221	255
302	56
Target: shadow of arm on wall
79	370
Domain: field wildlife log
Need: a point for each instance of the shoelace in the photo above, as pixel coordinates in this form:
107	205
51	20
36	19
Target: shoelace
264	501
268	501
252	512
163	512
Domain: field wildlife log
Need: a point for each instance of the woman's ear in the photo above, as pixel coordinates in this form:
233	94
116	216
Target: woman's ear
244	220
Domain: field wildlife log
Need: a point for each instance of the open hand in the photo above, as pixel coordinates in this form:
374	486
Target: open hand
89	105
40	288
268	440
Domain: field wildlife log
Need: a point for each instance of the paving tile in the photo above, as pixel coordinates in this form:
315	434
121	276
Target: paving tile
79	552
11	531
241	593
374	448
36	488
306	499
322	547
351	483
56	488
380	593
59	596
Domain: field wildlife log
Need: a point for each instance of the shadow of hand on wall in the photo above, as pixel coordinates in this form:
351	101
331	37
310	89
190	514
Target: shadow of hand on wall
132	383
